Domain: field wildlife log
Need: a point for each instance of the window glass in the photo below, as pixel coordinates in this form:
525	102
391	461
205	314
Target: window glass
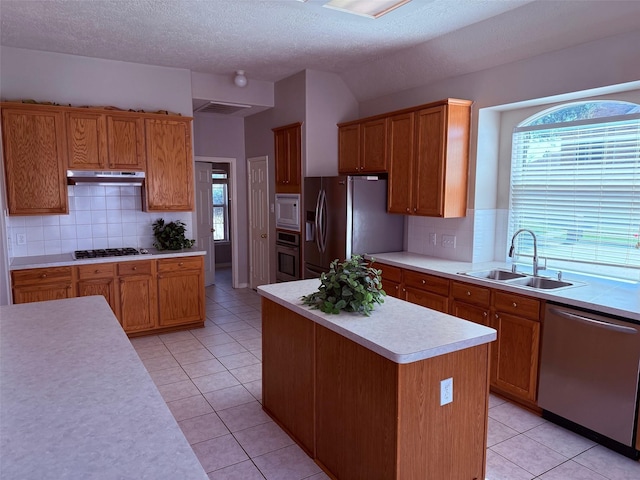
219	192
575	181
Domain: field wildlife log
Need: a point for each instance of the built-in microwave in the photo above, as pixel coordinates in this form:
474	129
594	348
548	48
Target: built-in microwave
287	211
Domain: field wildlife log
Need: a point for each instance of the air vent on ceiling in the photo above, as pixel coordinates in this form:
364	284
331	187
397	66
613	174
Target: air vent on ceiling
221	108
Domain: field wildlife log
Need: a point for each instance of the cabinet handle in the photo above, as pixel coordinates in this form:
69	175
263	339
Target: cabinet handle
408	209
415	209
484	314
468	293
514	304
134	268
180	264
44	275
97	271
424	281
497	316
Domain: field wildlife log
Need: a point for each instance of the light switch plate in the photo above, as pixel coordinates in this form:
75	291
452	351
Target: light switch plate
449	241
21	239
433	240
446	391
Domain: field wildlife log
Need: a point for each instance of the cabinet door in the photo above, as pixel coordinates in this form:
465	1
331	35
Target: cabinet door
374	146
125	136
43	292
169	181
86	140
429	165
427	299
473	313
138	302
288	158
401	132
180	297
103	286
349	149
282	159
34	161
514	366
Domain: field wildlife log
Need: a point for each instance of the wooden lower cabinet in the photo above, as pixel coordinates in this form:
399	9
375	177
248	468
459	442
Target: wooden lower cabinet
42	284
360	415
99	279
180	291
422	289
288	371
138	295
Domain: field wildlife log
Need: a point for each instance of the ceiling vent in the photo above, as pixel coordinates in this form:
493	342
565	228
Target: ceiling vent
221	108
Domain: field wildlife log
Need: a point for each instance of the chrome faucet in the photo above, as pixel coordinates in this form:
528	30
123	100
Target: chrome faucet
536	267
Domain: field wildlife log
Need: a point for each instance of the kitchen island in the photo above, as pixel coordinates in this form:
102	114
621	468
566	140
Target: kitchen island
76	401
362	395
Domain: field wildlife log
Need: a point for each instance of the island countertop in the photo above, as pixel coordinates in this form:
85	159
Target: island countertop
76	401
399	331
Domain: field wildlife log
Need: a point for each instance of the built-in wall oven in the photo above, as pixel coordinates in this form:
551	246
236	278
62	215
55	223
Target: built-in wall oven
287	256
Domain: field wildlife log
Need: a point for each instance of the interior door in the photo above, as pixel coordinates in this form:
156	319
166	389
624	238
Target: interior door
258	222
204	220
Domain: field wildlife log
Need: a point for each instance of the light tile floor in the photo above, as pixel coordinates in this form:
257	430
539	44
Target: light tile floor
211	381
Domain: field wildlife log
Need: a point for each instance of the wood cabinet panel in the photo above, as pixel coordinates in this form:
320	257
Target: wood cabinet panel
429	165
401	145
86	140
427	299
443	442
426	282
143	267
169	179
355	409
99	279
181	291
42	284
138	302
349	149
519	305
373	151
98	270
288	372
465	292
34	151
125	136
514	367
473	313
288	158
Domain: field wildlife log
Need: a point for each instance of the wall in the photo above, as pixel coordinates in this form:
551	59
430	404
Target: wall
223	136
601	63
111	216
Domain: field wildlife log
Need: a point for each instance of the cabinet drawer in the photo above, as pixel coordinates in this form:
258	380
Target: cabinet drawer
179	264
471	293
41	275
99	270
526	307
135	268
426	282
390	273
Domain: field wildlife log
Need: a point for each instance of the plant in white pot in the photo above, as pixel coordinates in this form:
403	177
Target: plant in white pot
170	236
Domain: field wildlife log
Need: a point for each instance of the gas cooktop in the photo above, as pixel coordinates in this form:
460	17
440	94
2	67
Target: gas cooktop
104	252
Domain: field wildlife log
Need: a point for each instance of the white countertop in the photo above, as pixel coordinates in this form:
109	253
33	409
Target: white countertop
399	331
601	295
65	259
76	401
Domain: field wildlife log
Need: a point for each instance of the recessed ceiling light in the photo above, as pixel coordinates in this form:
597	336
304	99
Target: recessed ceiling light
366	8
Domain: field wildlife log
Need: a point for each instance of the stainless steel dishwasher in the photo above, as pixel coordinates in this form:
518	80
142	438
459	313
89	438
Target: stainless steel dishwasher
589	371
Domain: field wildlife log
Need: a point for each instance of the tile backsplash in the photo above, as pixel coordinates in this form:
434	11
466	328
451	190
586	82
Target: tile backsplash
99	217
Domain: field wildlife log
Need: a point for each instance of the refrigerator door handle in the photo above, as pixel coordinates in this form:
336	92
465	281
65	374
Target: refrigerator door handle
322	231
317	222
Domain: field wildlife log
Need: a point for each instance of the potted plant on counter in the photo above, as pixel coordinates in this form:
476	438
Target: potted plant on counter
352	286
170	236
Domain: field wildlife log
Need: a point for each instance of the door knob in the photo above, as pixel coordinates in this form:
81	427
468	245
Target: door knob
213	230
264	235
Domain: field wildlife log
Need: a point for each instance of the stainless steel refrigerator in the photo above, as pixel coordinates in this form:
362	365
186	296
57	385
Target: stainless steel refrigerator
344	216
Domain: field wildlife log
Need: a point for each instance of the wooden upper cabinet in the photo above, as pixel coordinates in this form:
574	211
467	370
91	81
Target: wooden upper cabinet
401	145
169	176
98	141
34	159
363	147
86	140
288	158
125	136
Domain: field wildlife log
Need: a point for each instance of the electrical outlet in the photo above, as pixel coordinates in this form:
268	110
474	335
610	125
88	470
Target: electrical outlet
433	240
446	391
21	239
449	241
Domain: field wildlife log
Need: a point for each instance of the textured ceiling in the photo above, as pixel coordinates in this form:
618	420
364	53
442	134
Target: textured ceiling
421	42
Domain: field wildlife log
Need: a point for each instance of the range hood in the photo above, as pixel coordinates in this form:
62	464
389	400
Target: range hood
107	178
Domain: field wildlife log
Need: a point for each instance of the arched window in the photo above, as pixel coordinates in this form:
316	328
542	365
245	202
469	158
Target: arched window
575	181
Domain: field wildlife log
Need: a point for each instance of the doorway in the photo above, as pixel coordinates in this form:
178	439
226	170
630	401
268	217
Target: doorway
216	213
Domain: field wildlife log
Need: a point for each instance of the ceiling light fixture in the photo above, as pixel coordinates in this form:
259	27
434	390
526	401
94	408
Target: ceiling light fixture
366	8
240	80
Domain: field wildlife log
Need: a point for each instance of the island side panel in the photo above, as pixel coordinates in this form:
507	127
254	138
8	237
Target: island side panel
444	442
288	372
356	409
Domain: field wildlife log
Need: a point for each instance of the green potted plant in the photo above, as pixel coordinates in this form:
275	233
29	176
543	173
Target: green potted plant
170	236
352	286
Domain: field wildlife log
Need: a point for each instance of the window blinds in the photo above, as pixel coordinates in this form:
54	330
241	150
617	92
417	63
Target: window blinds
577	186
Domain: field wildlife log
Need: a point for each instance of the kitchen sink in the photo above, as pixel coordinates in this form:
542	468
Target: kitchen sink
496	275
522	280
542	283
